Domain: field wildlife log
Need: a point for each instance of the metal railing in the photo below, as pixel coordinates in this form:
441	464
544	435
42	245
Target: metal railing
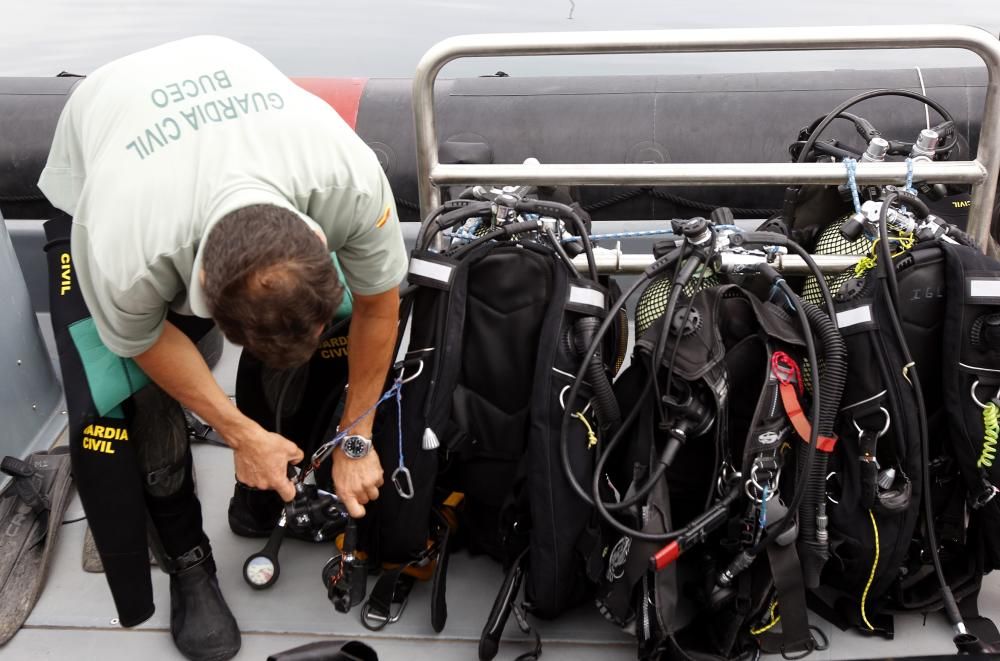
982	172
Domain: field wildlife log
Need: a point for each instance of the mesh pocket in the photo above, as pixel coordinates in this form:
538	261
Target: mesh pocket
832	242
653	301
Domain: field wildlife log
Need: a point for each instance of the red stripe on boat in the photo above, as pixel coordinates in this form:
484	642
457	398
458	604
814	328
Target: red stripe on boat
344	94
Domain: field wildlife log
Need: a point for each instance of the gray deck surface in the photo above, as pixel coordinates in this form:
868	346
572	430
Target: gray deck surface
74	617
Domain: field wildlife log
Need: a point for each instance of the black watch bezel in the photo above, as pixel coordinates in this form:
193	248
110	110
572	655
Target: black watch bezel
350	442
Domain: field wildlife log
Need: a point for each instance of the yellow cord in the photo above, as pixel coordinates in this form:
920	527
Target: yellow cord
991	431
865	264
591	436
871	577
773	620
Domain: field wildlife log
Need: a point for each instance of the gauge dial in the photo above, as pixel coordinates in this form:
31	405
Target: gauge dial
260	571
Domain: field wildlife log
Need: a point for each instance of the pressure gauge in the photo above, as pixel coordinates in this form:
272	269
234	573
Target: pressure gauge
260	571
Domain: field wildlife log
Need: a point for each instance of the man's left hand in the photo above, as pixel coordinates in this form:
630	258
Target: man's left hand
357	481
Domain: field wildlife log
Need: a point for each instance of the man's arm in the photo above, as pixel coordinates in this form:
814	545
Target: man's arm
370	344
261	457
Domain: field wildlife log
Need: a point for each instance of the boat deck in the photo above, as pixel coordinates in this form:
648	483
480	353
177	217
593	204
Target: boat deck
75	617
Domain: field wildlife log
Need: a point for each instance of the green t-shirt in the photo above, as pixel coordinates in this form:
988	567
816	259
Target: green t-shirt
152	149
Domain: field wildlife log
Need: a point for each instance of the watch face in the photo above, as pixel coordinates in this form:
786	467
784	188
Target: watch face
356	446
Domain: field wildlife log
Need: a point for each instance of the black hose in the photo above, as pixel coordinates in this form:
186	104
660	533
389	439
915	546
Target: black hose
824	289
864	96
564	212
605	403
832	380
457	211
561	252
887	273
786	522
651	271
909	199
791	193
776	239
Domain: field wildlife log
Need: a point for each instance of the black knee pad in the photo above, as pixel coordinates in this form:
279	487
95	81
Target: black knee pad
159	432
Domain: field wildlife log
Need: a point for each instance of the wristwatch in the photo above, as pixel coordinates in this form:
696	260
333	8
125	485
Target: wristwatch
356	446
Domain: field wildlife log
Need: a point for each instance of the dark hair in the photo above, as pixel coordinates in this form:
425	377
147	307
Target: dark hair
270	283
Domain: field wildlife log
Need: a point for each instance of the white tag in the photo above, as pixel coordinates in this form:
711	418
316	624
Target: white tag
585	296
432	270
984	288
854	316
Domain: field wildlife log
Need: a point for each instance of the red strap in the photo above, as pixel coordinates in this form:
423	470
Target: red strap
787	372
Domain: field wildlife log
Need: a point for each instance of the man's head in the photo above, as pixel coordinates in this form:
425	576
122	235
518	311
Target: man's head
270	283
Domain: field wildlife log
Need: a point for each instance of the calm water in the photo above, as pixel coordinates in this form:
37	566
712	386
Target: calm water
385	38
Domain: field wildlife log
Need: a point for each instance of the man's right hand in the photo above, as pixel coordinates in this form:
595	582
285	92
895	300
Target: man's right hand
262	459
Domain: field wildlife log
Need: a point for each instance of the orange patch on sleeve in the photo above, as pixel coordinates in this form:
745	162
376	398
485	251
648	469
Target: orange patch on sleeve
385	217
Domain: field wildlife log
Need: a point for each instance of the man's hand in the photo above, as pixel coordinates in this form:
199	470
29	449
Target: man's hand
357	480
262	462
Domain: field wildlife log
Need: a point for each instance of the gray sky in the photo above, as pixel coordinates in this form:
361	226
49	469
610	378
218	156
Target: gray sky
385	38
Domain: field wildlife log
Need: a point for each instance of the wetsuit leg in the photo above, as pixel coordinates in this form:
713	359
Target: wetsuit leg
160	435
104	461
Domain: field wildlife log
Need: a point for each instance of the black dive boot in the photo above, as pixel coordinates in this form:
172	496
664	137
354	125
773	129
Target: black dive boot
201	623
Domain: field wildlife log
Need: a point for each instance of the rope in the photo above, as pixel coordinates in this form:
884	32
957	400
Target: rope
871	577
865	264
591	436
623	235
852	167
324	451
773	620
991	431
615	199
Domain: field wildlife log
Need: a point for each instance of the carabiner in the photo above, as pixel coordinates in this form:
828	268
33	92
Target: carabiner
403	482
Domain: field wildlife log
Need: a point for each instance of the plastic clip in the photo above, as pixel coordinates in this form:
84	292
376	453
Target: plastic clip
786	370
403	482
